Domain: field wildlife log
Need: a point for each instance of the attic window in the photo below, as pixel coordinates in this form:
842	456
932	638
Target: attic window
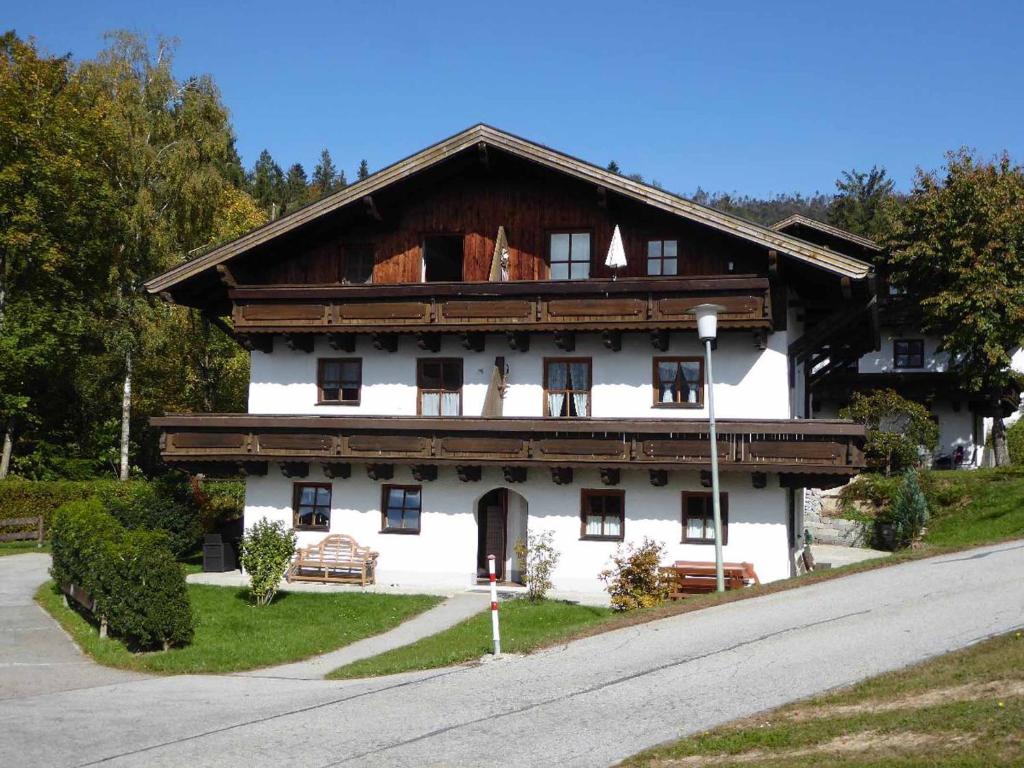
569	254
442	258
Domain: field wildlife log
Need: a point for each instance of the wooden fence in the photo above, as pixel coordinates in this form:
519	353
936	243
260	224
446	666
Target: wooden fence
26	533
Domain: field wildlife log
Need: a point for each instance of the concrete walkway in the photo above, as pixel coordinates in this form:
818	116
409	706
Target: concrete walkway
453	610
588	703
36	655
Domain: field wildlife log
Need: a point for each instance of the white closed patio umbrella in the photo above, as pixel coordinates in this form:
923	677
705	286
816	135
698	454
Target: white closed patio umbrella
616	258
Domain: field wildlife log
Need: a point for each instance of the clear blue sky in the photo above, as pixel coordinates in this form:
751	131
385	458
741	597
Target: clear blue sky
756	97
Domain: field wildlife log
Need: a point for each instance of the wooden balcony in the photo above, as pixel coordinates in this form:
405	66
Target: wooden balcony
813	453
636	304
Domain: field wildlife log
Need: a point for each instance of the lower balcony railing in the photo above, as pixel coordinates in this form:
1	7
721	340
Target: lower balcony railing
817	453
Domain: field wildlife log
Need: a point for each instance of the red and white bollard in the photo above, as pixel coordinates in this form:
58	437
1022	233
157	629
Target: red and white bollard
494	606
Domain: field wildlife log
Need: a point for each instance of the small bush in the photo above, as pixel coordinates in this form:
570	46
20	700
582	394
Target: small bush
537	558
635	579
132	577
267	549
906	517
1015	441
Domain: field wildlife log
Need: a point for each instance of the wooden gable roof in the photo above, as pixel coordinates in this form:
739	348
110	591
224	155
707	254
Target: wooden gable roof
486	135
793	224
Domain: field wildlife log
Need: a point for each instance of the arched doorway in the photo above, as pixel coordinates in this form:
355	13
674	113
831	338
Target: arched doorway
501	521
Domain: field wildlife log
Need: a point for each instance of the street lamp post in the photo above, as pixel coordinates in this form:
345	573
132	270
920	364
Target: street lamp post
707	330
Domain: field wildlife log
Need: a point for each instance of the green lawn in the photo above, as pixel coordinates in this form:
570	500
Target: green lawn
21	547
962	709
232	635
524	627
974	508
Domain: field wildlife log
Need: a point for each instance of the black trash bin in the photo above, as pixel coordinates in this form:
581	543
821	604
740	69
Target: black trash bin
219	555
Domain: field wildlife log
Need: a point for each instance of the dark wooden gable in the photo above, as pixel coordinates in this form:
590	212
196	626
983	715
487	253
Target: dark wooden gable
471	198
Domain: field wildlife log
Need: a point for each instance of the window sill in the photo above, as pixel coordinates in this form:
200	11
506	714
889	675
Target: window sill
602	538
316	529
708	542
338	402
402	531
686	406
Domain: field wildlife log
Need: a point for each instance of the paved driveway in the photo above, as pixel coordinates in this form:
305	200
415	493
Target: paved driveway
589	703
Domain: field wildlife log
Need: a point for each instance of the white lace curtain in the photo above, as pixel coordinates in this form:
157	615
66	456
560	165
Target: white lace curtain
440	404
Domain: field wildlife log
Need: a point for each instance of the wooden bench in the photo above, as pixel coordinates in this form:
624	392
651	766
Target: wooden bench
25	534
690	577
338	558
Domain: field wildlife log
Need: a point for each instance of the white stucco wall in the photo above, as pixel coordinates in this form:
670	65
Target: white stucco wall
444	553
881	361
751	383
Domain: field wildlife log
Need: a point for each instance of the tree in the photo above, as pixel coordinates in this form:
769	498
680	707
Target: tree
857	206
296	188
613	167
363	172
164	143
267	183
897	429
55	211
326	177
956	246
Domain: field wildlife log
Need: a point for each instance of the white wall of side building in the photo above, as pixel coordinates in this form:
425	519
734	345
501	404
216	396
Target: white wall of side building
881	361
443	554
750	383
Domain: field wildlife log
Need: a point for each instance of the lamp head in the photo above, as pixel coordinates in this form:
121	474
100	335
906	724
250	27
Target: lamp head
707	320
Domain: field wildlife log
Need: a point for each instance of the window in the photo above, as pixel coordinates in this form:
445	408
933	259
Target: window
908	353
440	386
339	382
569	254
661	257
699	518
400	509
567	387
358	265
602	515
442	258
678	382
311	506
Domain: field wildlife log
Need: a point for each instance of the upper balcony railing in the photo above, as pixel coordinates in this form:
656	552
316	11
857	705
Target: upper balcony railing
635	304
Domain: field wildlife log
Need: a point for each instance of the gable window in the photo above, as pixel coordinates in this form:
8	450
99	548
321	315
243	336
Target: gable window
678	382
401	506
908	353
440	386
602	515
569	254
311	506
661	257
567	387
442	259
358	265
699	518
339	382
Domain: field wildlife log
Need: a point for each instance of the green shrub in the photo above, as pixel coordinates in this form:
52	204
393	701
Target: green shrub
1015	441
132	577
165	504
906	517
31	498
897	429
635	579
537	559
267	549
869	494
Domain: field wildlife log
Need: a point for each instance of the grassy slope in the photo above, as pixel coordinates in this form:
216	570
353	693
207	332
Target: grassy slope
524	626
233	635
967	509
962	709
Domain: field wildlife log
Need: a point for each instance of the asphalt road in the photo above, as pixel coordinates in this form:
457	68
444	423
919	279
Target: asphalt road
589	703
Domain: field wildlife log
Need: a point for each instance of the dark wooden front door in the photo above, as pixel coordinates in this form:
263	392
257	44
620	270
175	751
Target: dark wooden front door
492	520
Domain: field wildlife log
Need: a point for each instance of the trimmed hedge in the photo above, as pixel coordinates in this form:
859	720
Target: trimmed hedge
166	503
132	576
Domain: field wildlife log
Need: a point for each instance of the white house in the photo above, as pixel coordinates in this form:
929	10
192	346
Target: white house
441	362
905	359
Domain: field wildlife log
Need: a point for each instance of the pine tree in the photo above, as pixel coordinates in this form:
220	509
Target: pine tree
326	178
613	167
266	182
296	188
363	172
